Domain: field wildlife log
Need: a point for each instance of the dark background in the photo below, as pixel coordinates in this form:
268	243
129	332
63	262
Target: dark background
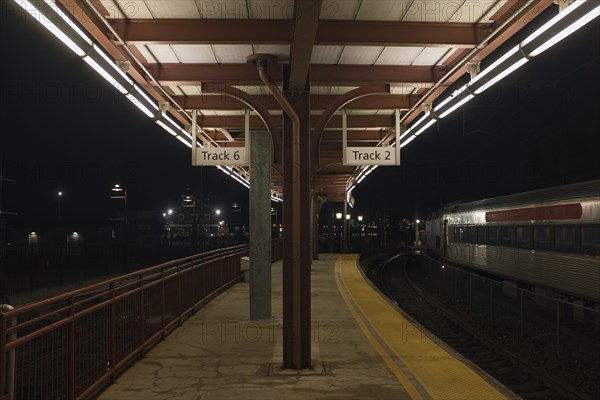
64	128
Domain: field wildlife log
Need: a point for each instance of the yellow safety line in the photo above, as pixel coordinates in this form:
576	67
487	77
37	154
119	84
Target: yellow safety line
410	389
447	378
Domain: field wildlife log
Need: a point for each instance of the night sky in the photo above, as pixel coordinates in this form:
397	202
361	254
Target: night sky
64	128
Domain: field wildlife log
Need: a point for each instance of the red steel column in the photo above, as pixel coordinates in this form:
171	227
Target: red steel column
297	237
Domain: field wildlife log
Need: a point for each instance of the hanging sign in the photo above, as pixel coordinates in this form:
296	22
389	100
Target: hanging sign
211	156
383	156
370	156
221	156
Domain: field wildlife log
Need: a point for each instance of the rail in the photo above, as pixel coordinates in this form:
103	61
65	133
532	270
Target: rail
71	345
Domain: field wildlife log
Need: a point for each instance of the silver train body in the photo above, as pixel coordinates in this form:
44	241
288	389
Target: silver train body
548	238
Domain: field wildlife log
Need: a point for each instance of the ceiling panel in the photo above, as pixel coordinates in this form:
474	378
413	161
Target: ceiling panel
382	10
253	90
173	8
194	53
163	53
230	9
271	9
430	56
232	53
398	55
326	54
176	90
127	9
339	9
281	51
190	90
360	55
146	53
404	89
331	90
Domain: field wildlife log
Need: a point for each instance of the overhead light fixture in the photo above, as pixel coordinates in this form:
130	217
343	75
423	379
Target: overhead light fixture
572	18
52	18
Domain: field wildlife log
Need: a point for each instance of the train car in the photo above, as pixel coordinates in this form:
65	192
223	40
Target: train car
548	238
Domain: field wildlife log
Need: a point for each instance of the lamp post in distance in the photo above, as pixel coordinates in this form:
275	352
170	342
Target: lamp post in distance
120	193
60	195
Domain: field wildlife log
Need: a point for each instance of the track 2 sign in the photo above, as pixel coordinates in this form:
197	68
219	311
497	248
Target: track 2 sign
370	156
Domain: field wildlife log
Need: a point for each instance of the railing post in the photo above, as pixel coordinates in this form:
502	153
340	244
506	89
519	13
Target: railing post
113	332
71	355
557	328
7	361
162	303
142	313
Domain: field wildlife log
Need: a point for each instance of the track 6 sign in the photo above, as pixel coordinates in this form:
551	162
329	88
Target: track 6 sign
221	156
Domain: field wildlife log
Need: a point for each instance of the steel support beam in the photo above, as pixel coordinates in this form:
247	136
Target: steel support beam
306	22
273	31
354	122
329	75
317	102
297	235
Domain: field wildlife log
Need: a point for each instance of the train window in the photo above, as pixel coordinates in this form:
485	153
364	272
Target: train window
564	239
523	237
493	235
541	238
507	235
590	240
471	234
481	239
462	235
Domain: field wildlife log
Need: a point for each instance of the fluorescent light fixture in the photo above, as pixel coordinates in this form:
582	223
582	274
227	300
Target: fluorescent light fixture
572	27
48	24
501	76
148	99
454	94
182	140
166	128
567	31
410	139
454	107
52	4
413	126
499	61
186	133
139	105
92	63
114	66
427	125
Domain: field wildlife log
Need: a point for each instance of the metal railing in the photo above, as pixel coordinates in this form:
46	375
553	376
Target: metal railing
71	345
564	329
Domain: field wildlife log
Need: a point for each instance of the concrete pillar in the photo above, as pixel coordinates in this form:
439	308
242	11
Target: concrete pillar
260	225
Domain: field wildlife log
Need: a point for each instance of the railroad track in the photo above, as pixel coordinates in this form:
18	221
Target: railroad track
522	378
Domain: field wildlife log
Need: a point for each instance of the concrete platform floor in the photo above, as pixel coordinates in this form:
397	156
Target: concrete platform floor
220	354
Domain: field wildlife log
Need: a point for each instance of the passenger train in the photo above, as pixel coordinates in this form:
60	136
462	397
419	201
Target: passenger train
548	238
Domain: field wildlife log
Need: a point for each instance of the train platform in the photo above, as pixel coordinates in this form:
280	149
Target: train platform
363	347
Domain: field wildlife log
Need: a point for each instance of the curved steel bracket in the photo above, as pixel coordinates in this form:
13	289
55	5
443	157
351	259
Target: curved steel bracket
257	106
340	102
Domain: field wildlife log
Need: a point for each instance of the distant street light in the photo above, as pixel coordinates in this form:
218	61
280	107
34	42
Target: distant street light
417	222
60	194
360	218
119	193
218	211
338	215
